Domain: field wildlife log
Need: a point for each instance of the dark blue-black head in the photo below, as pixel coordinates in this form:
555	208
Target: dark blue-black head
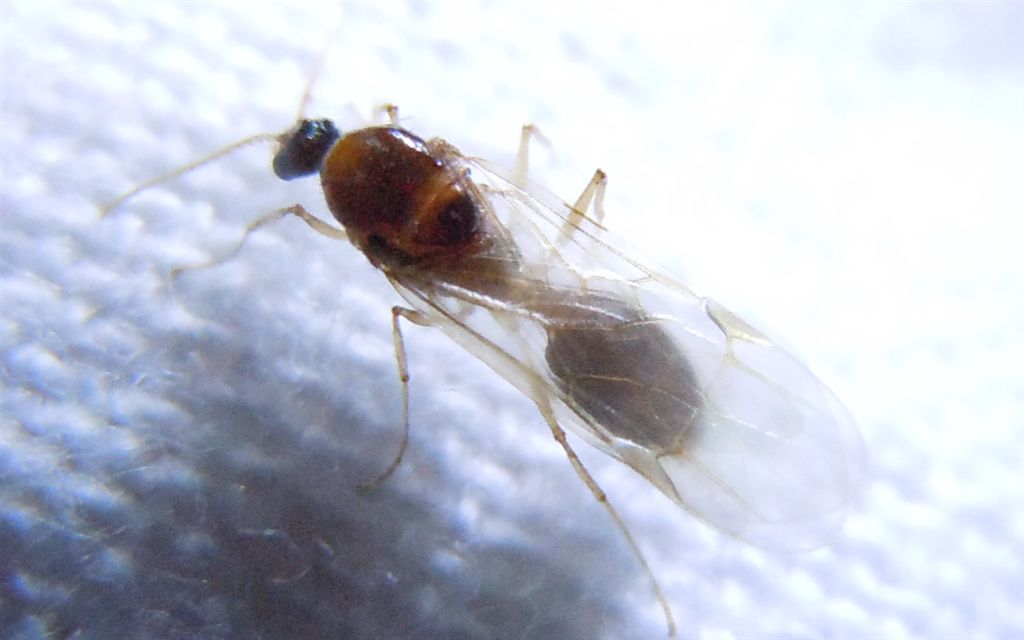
304	147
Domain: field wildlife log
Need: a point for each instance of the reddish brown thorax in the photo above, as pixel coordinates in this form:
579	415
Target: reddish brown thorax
397	198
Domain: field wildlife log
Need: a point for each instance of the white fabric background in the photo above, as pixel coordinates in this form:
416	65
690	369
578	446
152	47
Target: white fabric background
181	463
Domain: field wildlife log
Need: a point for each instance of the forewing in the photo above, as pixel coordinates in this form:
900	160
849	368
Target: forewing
741	433
777	457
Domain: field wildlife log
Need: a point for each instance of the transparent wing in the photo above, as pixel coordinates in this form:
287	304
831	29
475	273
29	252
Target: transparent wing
728	424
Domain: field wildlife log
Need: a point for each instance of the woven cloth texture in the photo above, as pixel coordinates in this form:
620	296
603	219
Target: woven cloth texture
180	456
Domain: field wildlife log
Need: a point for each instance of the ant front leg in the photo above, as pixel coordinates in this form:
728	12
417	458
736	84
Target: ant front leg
389	111
315	223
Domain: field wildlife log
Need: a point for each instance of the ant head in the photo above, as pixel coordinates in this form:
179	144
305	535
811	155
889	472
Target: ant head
303	148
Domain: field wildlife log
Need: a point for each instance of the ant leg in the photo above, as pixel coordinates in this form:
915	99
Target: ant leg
403	375
298	210
593	193
388	110
522	167
600	496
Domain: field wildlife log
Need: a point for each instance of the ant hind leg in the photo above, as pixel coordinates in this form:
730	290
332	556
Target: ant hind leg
592	196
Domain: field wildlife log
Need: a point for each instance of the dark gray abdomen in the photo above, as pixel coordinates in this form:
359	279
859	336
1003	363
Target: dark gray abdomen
622	369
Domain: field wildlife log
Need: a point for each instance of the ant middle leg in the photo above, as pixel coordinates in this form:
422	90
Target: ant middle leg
593	193
522	167
403	375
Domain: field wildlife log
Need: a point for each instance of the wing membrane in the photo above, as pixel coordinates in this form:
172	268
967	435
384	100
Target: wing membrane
722	420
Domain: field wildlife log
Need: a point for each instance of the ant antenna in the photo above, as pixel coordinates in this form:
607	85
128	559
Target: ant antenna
315	72
219	153
307	95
